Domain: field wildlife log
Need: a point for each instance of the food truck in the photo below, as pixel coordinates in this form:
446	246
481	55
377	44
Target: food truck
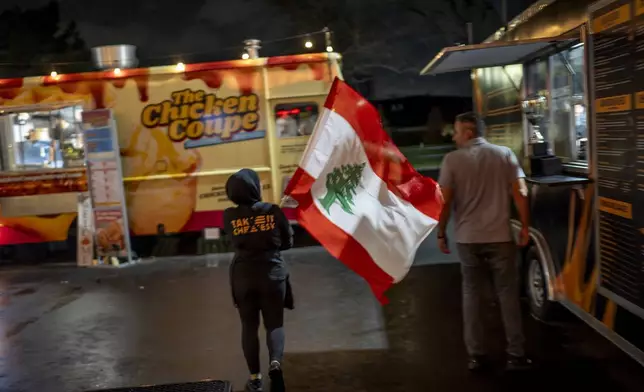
182	130
562	85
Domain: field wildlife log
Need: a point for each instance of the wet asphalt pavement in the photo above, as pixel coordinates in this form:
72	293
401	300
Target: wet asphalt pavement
172	321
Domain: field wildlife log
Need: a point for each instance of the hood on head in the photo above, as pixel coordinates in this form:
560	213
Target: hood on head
243	187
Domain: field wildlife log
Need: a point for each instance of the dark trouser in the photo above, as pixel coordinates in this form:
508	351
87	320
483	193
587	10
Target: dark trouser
266	296
477	261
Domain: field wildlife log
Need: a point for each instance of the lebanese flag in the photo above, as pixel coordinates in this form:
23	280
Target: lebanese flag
358	196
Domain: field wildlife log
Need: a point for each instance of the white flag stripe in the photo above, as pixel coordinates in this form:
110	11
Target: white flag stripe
389	228
310	159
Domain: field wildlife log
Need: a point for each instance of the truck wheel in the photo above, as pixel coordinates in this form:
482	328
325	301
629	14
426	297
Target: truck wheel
536	286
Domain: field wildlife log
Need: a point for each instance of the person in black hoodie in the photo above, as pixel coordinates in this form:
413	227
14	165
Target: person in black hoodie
259	278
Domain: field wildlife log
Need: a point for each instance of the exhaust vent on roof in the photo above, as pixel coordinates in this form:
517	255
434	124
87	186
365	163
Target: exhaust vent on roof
114	56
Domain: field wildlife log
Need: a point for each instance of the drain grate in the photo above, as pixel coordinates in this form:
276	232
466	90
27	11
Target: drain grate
202	386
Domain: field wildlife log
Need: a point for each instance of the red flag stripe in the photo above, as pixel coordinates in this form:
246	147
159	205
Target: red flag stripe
338	243
401	178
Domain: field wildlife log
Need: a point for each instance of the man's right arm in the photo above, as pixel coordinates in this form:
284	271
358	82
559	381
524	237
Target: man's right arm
520	195
519	190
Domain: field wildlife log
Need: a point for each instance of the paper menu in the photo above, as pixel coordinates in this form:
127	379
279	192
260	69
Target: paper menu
105	183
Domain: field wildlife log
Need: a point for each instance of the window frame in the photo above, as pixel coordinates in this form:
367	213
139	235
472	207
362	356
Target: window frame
555	60
576	165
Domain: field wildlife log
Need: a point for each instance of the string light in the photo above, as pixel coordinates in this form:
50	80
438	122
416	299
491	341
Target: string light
308	43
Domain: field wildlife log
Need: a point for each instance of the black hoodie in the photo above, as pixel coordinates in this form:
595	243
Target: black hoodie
258	231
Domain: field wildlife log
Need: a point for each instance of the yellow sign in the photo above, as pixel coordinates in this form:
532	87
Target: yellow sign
616	207
612	18
195	115
211	192
639	99
639	7
619	103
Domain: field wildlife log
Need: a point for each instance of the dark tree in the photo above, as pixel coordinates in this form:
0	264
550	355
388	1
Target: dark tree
451	17
31	38
389	37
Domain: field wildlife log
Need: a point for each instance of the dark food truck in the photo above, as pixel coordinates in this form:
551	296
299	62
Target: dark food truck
563	86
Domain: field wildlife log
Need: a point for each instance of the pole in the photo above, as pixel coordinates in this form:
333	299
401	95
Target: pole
504	12
470	33
252	47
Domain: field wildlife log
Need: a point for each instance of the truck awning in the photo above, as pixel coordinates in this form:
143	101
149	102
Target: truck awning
492	54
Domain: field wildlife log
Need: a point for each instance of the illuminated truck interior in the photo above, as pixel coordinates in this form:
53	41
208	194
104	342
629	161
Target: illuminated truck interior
41	139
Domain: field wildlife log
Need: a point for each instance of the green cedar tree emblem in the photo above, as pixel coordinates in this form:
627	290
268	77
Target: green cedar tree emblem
341	185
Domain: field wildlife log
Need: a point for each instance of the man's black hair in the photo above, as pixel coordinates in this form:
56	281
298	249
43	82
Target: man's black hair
471	118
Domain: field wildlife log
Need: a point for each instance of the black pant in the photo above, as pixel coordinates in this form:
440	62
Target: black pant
255	295
476	261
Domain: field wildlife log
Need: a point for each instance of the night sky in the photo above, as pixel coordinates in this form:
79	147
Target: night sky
395	41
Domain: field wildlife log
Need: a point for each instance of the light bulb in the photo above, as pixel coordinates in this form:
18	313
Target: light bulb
117	71
308	44
181	67
329	48
54	74
245	56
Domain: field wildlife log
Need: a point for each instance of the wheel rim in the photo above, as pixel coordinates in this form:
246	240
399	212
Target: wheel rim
536	283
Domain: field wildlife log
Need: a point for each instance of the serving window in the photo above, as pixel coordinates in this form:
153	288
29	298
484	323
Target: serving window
43	139
295	118
560	79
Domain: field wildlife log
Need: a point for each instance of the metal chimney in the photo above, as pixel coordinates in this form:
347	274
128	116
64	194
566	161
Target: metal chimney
114	56
252	47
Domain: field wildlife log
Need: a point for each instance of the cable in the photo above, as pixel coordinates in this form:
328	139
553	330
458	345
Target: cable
295	36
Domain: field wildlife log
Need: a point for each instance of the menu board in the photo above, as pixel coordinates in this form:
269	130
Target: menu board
106	184
617	66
